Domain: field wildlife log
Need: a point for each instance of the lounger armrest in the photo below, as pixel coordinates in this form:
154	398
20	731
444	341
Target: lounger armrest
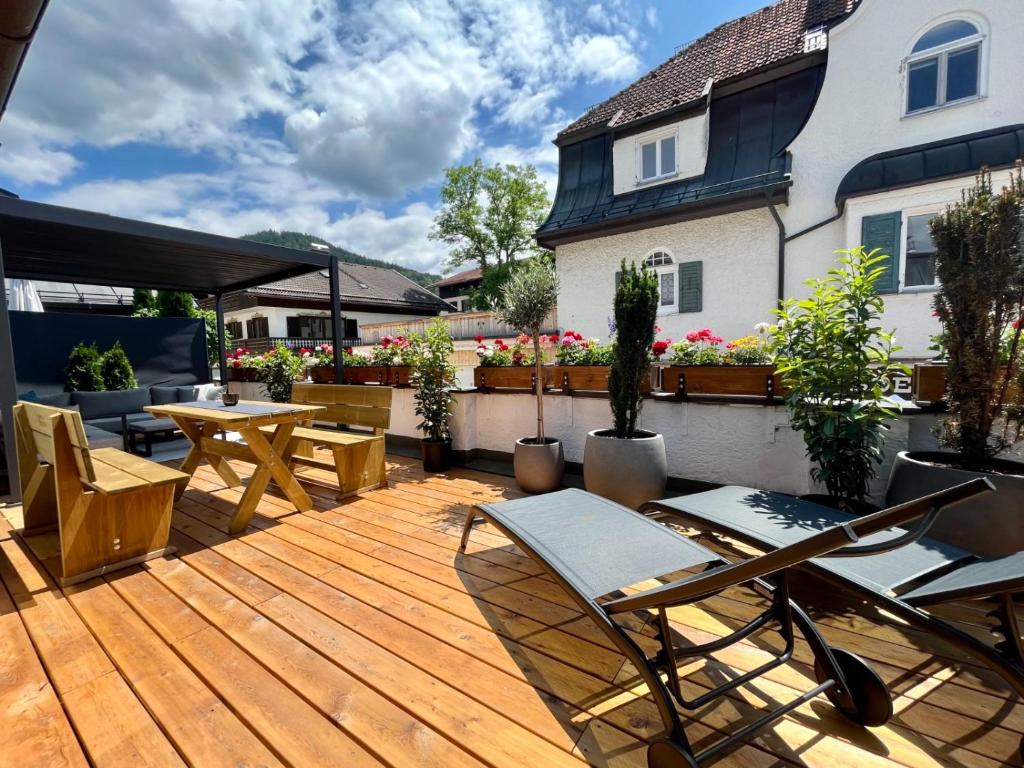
715	580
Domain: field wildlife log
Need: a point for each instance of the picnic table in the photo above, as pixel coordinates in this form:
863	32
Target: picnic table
200	421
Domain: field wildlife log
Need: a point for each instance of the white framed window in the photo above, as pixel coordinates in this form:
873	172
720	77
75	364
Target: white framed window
918	251
945	66
656	157
664	265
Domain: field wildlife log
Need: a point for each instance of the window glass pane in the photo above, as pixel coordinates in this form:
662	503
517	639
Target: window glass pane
649	161
668	155
920	268
962	74
668	289
945	33
922	84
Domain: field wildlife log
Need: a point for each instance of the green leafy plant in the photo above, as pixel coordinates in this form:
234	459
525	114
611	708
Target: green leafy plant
175	304
433	376
116	369
143	300
837	361
280	369
979	265
636	309
525	301
209	318
82	373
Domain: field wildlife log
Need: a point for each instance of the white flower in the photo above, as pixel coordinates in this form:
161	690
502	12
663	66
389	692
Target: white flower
763	328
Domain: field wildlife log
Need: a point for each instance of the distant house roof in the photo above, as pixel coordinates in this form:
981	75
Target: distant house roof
466	276
761	39
79	293
360	284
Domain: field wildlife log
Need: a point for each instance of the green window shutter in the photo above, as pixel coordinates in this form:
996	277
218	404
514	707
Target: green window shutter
883	231
618	279
691	286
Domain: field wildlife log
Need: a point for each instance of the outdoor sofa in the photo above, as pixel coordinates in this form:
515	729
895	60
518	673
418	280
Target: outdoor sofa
901	572
601	553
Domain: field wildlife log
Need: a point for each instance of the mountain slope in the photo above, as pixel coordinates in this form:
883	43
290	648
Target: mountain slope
301	241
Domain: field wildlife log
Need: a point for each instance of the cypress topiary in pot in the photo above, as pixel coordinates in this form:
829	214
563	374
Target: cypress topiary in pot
979	265
525	301
625	463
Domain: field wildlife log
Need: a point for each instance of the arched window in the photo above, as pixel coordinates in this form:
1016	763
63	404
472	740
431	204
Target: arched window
944	66
663	264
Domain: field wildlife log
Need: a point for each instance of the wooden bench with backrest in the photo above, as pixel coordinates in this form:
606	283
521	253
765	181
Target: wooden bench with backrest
110	509
358	457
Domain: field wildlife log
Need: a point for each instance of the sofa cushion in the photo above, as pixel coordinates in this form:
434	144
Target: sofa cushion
98	405
59	400
113	423
187	394
163	395
29	397
209	391
99	438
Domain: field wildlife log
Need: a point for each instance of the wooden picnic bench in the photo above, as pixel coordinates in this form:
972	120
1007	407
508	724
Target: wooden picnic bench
358	457
111	509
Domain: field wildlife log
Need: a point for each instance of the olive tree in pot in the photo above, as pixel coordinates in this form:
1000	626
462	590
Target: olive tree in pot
979	265
836	362
625	463
433	377
525	301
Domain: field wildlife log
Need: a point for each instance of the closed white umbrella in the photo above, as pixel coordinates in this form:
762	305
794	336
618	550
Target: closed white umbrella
24	297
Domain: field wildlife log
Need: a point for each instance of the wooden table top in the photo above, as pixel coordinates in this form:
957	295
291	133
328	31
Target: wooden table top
246	413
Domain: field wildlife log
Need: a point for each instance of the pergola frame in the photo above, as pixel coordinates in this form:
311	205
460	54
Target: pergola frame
47	242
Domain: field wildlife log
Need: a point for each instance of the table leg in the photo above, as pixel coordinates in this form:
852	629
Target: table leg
195	432
272	466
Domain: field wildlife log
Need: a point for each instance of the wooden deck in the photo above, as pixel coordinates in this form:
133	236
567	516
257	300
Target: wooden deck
353	635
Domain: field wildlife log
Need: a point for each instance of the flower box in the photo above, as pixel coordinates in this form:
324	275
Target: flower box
388	375
322	374
686	381
243	374
588	378
490	377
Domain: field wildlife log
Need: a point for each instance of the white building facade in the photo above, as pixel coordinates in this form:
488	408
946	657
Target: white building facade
740	166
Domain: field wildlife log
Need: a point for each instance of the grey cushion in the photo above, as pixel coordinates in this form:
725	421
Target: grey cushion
113	423
98	438
59	400
164	395
98	405
187	394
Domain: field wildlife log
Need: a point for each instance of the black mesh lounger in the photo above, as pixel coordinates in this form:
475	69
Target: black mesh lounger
901	571
596	550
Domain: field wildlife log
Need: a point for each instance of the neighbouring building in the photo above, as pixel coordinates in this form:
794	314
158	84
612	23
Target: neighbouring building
297	310
455	289
79	297
739	166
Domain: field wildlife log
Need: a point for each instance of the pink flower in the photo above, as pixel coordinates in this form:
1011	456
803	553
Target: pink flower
692	337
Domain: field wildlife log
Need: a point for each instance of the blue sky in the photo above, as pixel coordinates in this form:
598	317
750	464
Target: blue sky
335	118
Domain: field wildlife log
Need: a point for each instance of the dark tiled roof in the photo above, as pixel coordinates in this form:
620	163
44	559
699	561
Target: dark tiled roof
946	159
466	276
360	284
762	38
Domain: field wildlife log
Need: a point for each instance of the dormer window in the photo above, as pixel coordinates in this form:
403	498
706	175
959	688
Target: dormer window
944	66
656	157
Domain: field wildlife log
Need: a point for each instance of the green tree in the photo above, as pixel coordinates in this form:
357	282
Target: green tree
116	369
433	376
489	215
175	304
82	373
142	301
636	309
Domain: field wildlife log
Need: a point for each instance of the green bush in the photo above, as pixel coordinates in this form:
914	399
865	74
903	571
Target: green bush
433	376
636	309
837	362
209	317
82	373
281	368
175	304
143	301
116	369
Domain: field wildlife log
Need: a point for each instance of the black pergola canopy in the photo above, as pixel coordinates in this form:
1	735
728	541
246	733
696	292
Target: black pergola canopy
49	242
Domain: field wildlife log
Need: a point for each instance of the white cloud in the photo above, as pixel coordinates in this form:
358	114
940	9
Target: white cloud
603	57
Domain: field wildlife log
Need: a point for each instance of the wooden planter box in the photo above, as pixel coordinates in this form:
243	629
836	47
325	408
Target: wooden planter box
929	382
486	378
687	381
322	374
387	375
242	374
589	378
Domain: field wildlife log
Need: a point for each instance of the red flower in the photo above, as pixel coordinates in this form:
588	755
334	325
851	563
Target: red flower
659	348
692	337
386	342
238	364
1017	323
478	339
553	338
348	350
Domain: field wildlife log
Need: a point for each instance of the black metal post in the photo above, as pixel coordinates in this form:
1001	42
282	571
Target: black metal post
8	389
223	353
336	321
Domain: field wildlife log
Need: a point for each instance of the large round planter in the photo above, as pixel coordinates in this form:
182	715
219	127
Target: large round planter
627	471
990	525
437	455
539	466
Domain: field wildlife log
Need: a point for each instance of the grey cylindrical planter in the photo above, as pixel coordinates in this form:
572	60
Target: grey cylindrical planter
539	466
990	525
627	471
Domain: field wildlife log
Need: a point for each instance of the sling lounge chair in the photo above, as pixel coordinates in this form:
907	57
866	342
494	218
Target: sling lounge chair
596	550
900	571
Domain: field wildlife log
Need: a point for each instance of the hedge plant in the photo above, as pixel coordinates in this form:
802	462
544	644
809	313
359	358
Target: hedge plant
116	369
636	309
82	373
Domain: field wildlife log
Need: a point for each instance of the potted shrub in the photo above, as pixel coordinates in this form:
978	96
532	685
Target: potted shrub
526	299
699	366
625	463
433	377
980	303
281	368
116	369
836	361
82	373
